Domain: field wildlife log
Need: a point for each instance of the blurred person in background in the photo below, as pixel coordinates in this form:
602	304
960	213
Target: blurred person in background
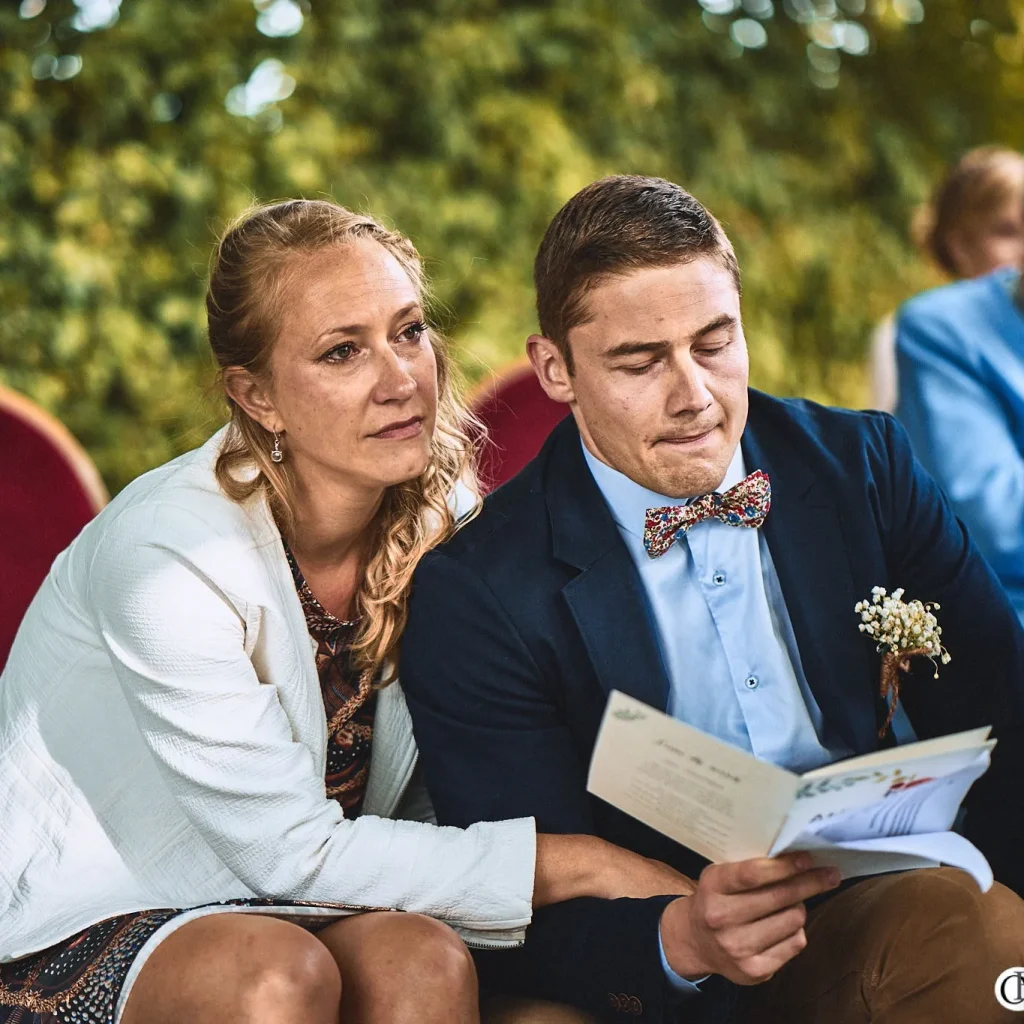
201	738
972	226
960	355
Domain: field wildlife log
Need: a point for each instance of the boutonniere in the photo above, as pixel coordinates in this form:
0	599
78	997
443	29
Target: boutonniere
901	630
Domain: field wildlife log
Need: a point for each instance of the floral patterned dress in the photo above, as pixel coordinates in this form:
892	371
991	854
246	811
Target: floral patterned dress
79	980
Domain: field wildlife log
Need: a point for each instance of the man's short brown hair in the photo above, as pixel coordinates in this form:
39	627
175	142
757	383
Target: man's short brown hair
616	225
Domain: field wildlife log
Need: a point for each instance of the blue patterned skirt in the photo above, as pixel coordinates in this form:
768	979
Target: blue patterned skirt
80	980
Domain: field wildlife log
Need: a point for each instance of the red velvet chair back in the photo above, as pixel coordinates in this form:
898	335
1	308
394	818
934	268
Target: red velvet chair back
49	489
519	417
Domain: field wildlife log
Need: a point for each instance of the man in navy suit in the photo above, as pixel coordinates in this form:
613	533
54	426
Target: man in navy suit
701	546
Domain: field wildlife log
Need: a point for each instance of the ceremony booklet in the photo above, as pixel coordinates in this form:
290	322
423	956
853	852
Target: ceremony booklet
886	811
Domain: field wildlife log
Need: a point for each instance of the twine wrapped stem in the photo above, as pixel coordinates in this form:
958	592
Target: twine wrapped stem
901	630
894	666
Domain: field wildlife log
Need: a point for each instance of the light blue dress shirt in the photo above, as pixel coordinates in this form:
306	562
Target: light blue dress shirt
725	635
960	354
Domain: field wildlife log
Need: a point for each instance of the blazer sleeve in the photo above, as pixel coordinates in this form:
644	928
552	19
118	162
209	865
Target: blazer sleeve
961	433
178	640
933	557
494	743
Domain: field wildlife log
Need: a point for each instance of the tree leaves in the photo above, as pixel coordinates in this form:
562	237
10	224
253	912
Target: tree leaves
466	123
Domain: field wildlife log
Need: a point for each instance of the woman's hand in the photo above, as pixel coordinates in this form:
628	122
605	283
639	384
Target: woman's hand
572	866
644	876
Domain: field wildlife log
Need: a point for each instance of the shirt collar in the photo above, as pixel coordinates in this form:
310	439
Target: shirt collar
629	502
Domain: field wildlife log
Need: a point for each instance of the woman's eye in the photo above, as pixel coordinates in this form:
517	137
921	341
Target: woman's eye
413	332
340	353
1006	229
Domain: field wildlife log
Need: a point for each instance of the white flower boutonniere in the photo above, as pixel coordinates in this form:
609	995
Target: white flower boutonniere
901	630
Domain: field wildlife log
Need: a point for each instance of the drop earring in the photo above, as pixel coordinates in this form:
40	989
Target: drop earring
276	455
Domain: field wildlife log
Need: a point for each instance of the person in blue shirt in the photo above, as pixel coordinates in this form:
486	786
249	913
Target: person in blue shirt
960	351
973	224
701	546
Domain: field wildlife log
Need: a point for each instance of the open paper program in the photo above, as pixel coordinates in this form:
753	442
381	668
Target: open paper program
887	811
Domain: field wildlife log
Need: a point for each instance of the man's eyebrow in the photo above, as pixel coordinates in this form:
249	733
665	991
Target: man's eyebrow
359	328
725	320
635	348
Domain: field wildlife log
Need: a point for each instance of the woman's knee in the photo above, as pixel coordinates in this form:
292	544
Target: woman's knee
403	968
294	979
242	967
436	955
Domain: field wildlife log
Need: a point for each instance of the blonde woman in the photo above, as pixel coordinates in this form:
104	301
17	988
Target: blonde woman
202	745
973	225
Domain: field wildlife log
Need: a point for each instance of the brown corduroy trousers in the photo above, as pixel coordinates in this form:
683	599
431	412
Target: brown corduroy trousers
922	947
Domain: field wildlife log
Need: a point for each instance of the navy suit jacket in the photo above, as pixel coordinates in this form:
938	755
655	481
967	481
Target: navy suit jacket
521	625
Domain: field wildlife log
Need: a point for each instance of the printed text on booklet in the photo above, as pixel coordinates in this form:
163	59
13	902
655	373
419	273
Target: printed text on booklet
886	811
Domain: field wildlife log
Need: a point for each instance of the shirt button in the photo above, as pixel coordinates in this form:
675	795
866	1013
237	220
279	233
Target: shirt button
719	578
750	682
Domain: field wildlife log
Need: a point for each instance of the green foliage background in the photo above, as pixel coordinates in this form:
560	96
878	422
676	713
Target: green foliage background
466	123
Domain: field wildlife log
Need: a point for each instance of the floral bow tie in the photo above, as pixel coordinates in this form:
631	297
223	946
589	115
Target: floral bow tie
746	504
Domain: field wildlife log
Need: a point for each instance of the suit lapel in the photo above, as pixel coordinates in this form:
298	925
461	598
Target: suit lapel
805	536
606	598
804	533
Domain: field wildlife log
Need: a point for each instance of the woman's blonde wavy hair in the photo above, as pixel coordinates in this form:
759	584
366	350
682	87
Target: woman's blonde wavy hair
250	268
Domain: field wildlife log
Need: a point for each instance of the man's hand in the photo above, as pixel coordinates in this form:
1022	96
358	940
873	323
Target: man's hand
745	920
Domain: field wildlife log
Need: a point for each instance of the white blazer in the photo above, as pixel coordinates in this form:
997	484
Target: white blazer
163	740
